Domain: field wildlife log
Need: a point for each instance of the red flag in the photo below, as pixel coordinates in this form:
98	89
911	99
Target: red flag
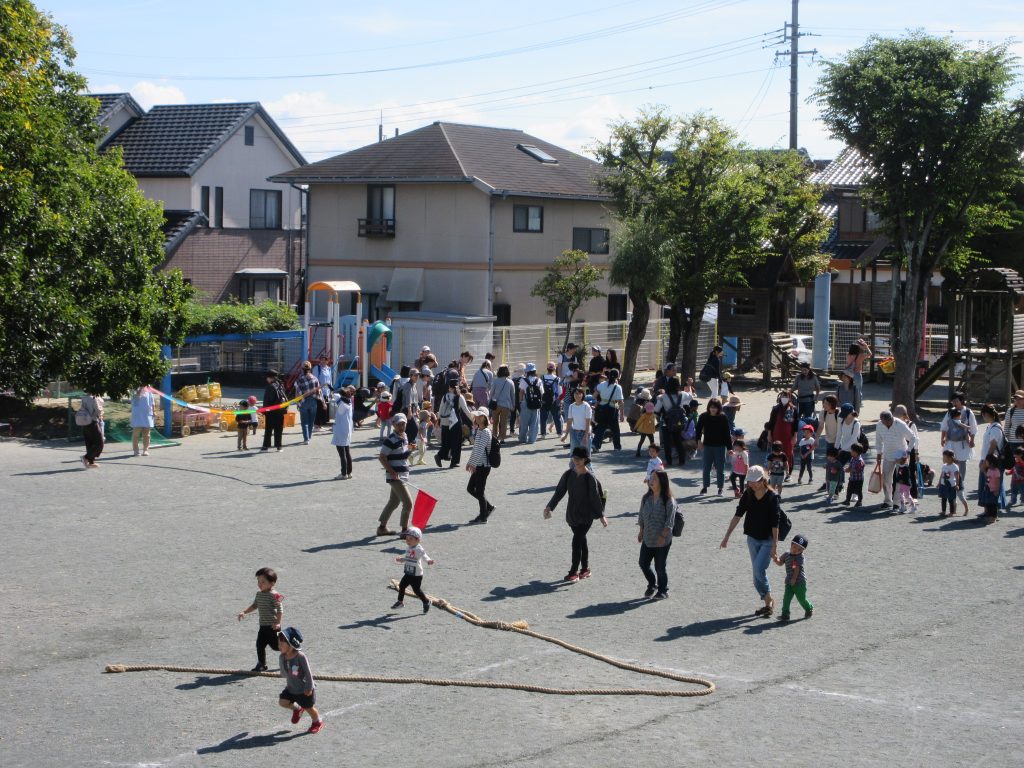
422	509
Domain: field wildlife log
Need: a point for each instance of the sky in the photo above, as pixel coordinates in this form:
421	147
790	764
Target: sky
330	72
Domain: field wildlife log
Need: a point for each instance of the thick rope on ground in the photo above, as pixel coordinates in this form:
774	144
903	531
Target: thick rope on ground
519	627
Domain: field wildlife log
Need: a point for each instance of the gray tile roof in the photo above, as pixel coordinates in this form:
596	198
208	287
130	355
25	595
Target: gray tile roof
177	226
110	101
454	152
175	140
848	171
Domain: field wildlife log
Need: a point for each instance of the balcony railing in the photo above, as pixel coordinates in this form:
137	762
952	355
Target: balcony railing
376	227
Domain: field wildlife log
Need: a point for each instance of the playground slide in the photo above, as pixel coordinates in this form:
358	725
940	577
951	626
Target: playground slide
349	376
383	373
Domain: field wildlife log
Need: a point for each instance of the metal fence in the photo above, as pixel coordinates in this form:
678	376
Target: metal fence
843	333
238	353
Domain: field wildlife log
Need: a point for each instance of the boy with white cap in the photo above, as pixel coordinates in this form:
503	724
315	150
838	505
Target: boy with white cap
796	578
413	568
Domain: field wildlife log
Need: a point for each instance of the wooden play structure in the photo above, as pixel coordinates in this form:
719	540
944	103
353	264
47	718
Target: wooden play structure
986	338
759	312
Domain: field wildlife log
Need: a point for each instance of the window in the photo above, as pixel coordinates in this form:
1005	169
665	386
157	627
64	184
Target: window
371	303
528	218
590	240
250	135
502	314
380	212
561	314
204	202
537	154
258	289
218	207
851	217
264	209
617	304
742	307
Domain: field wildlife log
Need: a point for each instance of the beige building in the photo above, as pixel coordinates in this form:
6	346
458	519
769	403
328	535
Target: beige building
230	231
457	219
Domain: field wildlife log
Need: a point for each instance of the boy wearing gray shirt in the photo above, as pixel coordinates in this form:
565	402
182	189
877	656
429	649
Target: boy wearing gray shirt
299	694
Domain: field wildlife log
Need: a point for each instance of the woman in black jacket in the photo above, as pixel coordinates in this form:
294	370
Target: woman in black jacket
715	438
760	511
273	420
583	508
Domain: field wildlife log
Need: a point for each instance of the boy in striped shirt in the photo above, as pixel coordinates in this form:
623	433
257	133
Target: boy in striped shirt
268	603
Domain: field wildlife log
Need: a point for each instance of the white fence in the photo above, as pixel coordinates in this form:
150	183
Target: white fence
842	333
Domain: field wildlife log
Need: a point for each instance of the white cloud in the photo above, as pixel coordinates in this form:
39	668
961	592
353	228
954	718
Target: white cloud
149	94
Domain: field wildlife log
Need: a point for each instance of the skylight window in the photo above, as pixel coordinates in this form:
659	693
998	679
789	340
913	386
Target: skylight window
537	153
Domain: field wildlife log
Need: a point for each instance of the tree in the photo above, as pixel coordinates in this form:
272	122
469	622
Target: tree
568	283
641	264
78	242
943	140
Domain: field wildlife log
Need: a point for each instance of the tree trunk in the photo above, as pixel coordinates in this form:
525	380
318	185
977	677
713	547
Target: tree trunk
634	338
908	330
675	330
691	335
568	332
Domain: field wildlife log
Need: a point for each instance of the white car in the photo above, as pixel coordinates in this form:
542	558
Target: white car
802	350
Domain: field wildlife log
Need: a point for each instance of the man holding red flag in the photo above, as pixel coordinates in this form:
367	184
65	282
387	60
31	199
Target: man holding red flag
394	456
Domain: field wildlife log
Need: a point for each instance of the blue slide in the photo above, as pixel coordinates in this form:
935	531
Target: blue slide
384	373
347	377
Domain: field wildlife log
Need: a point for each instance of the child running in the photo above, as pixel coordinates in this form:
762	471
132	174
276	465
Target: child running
950	483
740	461
646	426
413	575
299	694
855	467
242	422
796	578
834	474
806	446
268	603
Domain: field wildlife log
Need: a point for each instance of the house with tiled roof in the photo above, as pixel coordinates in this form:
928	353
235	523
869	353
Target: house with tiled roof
458	219
229	230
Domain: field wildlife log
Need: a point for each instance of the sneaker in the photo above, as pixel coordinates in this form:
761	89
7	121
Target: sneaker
260	668
437	460
297	715
649	592
85	462
719	491
316	727
398	604
822	488
783	617
426	606
146	453
136	453
280	449
305	442
572	578
661	596
585	573
340	476
736	492
264	450
808	613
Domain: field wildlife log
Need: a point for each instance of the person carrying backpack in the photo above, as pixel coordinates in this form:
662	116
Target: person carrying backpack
585	505
551	405
671	408
957	432
609	410
531	401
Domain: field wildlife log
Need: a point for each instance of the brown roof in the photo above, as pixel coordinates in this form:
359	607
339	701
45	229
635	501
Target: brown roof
453	152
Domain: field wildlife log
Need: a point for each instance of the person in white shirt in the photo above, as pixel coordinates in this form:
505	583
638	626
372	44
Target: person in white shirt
609	410
892	438
579	420
566	357
957	431
452	404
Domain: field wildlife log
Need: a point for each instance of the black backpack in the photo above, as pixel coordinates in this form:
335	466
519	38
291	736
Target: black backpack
675	416
601	492
865	444
451	376
494	453
534	398
549	391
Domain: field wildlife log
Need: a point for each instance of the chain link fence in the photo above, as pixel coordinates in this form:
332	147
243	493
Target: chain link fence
843	333
238	357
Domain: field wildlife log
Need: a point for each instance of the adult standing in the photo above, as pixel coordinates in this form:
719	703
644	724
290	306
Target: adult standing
426	358
502	402
273	421
609	410
893	438
670	409
479	465
93	432
662	379
991	443
394	456
517	380
482	384
611	361
784	425
143	418
531	400
464	360
565	358
657	515
341	435
858	354
579	420
551	402
847	391
309	388
828	423
957	431
584	506
595	368
807	388
713	436
1013	426
412	403
452	405
325	375
712	370
759	508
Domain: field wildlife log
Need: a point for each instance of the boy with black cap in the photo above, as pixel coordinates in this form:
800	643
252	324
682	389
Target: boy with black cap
796	579
299	694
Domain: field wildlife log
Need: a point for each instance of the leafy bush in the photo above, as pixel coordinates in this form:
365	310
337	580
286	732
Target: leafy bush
235	317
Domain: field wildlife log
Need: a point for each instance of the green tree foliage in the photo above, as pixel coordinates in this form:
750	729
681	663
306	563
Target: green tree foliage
78	242
943	138
569	282
235	317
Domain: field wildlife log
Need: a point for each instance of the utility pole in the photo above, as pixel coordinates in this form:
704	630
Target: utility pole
792	33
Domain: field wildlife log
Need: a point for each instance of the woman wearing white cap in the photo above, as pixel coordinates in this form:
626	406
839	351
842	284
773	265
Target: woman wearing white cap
479	465
759	508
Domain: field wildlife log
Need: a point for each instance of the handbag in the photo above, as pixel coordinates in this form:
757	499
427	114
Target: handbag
785	525
492	405
875	481
762	441
83	418
677	523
